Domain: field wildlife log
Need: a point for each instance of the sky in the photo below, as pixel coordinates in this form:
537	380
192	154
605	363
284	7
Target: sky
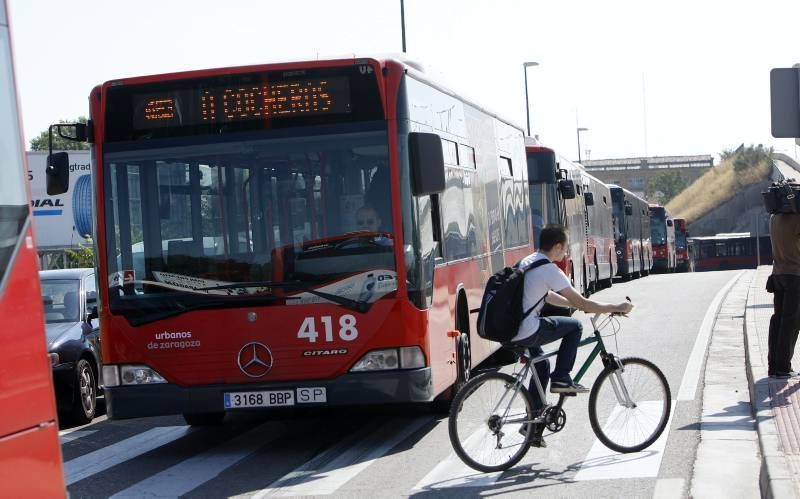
645	77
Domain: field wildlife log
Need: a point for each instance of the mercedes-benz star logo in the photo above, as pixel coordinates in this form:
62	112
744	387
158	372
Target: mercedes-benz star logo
255	359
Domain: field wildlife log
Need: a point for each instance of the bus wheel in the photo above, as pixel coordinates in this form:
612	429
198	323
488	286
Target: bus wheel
463	360
204	418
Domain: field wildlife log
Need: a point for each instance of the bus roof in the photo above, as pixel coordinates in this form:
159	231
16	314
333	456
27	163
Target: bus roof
412	68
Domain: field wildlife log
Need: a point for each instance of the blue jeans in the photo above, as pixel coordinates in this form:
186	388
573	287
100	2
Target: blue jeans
551	329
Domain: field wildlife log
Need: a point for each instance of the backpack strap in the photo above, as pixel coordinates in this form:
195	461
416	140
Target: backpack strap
537	263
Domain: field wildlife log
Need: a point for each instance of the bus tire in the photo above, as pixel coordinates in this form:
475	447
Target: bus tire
463	359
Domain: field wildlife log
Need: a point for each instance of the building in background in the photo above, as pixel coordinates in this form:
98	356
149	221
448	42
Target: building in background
636	174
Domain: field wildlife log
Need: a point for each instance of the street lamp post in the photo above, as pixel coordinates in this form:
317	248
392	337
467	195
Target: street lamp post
580	129
525	66
403	23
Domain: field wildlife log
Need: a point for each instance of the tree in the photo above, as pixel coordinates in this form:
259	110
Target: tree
81	257
666	186
40	143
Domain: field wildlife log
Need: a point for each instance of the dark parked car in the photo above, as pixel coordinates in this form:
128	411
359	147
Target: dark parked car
70	297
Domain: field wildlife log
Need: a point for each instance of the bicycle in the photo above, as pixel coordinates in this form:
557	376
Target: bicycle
629	406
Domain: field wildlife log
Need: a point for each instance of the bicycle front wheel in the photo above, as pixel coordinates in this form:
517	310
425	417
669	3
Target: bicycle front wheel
629	408
489	422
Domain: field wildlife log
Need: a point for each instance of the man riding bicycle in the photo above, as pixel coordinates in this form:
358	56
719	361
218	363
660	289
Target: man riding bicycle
547	283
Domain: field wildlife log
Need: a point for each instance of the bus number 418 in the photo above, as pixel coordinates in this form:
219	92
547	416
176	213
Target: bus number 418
347	328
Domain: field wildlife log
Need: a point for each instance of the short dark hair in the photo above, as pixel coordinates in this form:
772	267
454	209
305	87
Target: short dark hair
551	235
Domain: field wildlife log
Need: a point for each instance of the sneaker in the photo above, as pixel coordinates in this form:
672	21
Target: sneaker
567	387
538	442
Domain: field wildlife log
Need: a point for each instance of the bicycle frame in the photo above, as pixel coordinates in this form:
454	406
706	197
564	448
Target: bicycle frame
620	390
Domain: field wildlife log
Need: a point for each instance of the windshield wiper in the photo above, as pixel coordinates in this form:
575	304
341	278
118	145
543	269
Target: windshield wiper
300	286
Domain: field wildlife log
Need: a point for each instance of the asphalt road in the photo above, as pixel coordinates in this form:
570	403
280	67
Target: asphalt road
390	452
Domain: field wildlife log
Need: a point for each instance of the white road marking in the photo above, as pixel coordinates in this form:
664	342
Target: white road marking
75	436
691	374
452	472
100	460
197	470
603	463
327	472
96	420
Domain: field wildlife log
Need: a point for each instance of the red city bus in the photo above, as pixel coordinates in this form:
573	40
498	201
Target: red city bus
681	246
310	233
601	253
30	455
590	259
631	221
662	234
729	251
553	200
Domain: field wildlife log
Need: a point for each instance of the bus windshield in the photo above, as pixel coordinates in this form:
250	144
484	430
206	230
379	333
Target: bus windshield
190	219
658	227
680	239
618	213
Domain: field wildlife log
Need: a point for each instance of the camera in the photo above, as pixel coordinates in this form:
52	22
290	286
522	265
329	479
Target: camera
782	197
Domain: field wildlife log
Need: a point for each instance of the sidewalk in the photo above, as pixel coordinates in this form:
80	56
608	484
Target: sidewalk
776	403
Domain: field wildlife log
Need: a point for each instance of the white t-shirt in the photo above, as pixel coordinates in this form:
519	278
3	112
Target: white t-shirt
537	283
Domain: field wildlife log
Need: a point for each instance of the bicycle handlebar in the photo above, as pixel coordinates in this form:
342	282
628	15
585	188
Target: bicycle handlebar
597	316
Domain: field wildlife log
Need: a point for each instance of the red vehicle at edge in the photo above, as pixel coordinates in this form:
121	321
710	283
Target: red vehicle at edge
252	224
30	454
681	246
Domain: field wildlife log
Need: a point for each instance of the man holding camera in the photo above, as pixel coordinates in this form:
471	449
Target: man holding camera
784	231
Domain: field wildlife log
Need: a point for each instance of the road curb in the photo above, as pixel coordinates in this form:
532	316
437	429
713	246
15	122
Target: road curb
775	477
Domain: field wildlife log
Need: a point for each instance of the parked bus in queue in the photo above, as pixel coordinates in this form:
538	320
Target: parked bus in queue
601	252
554	200
662	235
631	221
729	251
30	454
309	233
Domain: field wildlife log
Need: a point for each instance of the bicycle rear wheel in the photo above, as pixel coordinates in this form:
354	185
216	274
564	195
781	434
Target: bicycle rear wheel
630	427
489	423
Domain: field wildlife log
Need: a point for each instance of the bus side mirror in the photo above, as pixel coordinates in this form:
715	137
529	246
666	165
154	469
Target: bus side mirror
57	172
567	189
628	209
427	163
669	223
588	198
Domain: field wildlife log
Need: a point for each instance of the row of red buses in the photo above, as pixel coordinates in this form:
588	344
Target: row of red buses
562	192
631	221
30	454
729	251
681	246
662	235
310	233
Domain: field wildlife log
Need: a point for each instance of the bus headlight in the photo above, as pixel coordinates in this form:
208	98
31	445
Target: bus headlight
390	359
378	360
139	375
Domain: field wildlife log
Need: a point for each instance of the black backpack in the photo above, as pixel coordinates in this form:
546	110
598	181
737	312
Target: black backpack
501	307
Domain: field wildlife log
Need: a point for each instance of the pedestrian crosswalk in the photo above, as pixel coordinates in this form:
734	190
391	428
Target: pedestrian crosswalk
102	459
338	466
